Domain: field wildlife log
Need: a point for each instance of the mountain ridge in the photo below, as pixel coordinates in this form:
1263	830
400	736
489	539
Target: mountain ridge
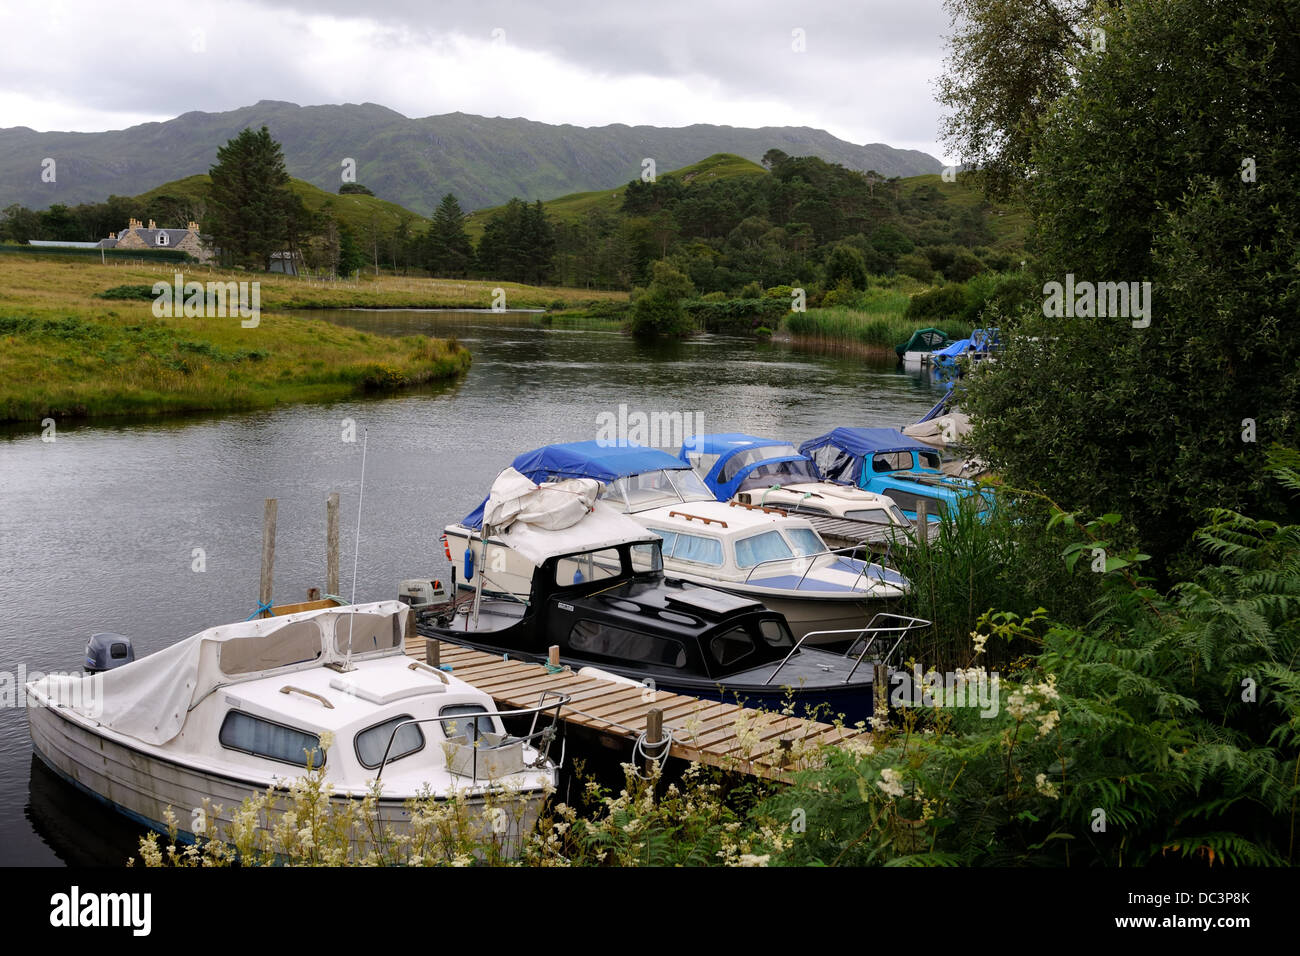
483	160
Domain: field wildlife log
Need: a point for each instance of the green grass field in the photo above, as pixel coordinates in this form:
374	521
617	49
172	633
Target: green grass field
65	352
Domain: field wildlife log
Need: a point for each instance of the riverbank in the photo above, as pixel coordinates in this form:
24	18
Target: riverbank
65	352
876	326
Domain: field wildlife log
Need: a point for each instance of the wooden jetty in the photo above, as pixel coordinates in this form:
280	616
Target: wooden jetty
730	736
711	732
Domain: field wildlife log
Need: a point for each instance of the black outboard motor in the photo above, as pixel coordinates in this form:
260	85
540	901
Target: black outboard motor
106	651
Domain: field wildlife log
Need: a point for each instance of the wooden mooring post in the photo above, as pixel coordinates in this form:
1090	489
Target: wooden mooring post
654	737
268	557
332	543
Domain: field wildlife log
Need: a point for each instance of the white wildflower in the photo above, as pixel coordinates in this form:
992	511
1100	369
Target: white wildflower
891	782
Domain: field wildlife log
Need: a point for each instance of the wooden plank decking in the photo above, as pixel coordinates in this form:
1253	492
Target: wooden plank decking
711	732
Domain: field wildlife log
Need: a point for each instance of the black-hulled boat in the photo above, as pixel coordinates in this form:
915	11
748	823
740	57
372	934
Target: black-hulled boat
598	592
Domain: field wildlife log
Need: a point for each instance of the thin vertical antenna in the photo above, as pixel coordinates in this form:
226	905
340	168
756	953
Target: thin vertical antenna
356	555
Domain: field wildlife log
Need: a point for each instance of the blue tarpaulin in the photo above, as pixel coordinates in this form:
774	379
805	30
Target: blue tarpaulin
726	445
849	447
584	459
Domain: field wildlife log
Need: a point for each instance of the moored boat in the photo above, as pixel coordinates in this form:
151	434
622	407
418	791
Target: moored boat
235	710
597	591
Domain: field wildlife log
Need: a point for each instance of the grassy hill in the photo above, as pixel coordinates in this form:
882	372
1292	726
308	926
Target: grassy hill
576	205
358	212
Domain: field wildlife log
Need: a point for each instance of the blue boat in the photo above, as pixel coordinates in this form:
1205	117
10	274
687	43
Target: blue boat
887	462
981	346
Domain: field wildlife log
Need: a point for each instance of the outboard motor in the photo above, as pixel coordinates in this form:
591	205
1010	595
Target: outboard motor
106	651
419	592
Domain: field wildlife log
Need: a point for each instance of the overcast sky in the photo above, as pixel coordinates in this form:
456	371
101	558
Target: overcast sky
866	72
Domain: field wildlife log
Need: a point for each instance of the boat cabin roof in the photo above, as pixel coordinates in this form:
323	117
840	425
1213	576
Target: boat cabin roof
149	698
723	520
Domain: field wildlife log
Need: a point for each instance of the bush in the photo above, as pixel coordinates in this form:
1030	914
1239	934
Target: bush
945	302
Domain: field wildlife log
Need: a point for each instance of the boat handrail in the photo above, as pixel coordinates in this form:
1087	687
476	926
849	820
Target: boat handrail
914	623
812	560
421	665
290	689
766	509
690	517
547	733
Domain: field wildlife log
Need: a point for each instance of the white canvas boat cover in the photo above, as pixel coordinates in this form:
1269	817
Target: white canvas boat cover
942	430
150	698
552	506
602	527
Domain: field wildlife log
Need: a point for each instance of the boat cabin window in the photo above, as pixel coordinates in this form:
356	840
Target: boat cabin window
891	461
647	557
371	743
701	463
878	515
695	548
594	637
592	566
929	459
805	541
651	489
473	727
907	500
779	473
731	647
765	546
775	633
263	738
289	644
733	465
366	632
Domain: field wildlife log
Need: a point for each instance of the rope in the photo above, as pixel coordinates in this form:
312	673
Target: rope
640	754
260	608
554	669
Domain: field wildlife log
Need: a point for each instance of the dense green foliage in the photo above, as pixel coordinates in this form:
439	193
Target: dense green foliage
252	213
1184	178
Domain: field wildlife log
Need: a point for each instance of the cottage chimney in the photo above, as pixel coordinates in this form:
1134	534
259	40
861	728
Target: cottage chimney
112	235
133	223
152	225
192	226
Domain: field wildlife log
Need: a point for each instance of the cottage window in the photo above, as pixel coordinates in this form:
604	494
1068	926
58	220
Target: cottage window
162	238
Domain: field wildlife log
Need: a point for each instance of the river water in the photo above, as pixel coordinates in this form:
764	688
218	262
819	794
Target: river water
106	527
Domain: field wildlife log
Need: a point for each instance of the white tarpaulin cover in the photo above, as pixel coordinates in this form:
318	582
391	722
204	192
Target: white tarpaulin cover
149	698
950	429
603	527
552	506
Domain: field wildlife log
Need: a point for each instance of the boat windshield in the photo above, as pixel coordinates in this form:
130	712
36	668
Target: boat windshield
654	489
779	473
733	465
805	541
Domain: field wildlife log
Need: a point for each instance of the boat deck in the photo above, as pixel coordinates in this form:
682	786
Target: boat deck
723	735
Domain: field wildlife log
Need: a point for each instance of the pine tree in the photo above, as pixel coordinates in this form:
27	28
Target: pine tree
447	250
251	213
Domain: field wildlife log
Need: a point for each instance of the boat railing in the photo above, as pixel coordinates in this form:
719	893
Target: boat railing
902	630
812	562
551	701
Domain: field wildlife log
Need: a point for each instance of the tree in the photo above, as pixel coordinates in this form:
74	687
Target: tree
518	244
1008	61
252	213
1143	178
658	310
845	264
446	249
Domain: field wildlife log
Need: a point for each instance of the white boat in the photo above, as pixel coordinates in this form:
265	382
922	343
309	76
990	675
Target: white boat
761	553
236	709
776	558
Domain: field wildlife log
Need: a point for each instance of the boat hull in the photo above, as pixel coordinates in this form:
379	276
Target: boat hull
144	787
